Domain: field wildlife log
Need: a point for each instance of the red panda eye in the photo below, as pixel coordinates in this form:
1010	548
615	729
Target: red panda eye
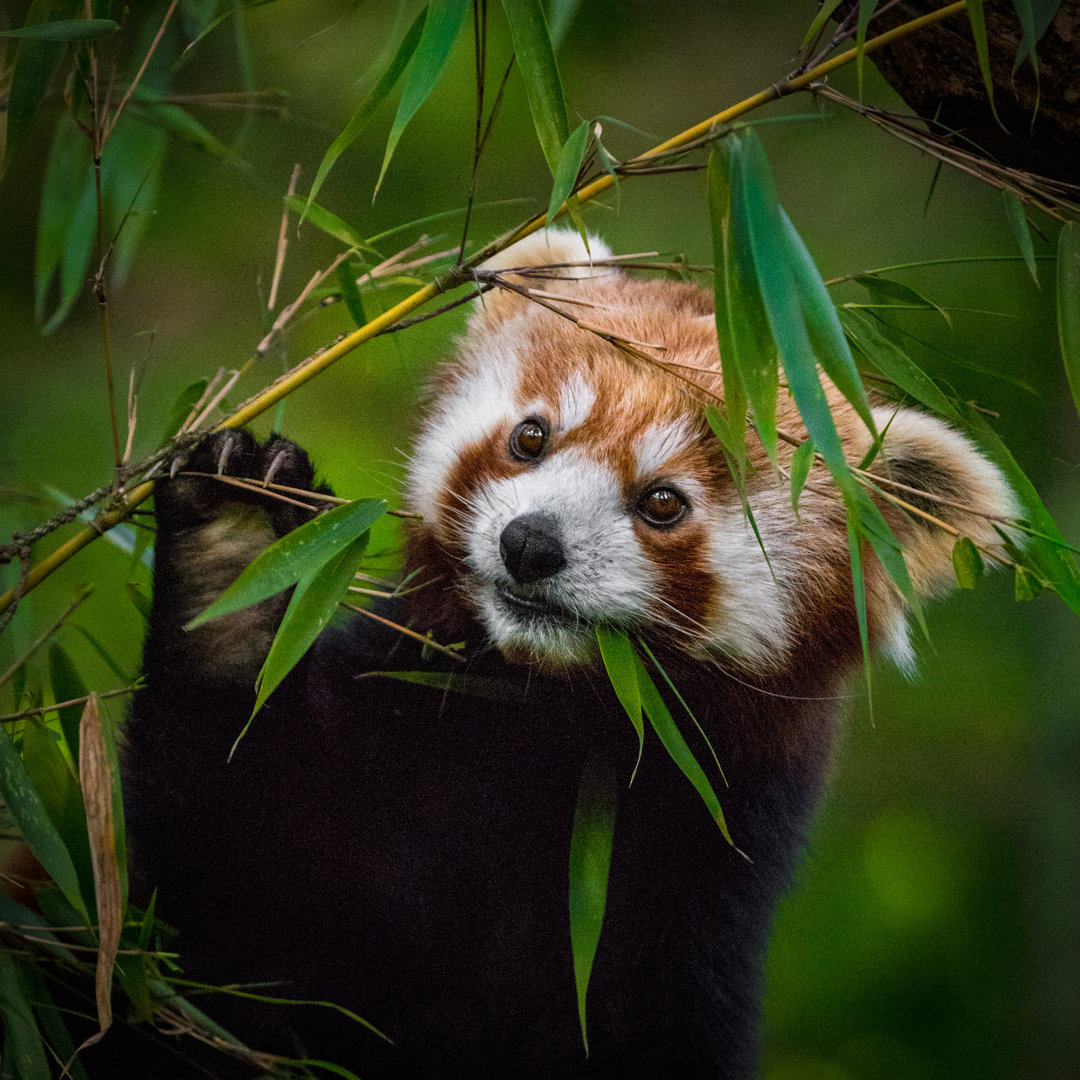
662	506
528	439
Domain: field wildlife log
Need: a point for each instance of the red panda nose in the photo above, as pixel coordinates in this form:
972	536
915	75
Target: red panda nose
531	548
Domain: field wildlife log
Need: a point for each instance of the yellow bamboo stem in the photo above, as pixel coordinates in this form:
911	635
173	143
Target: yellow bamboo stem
106	519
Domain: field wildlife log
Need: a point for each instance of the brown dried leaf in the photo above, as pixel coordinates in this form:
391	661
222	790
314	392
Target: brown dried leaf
96	781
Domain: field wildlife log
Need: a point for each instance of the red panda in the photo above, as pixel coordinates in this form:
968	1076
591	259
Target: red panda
402	851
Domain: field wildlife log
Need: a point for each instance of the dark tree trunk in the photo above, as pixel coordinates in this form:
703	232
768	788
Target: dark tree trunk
937	73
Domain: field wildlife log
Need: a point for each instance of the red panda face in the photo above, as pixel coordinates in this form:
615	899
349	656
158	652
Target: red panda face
572	485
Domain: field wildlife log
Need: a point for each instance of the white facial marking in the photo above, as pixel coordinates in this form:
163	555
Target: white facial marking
576	398
607	577
752	617
479	403
656	445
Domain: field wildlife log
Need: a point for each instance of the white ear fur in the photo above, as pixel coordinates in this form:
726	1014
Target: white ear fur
543	248
923	452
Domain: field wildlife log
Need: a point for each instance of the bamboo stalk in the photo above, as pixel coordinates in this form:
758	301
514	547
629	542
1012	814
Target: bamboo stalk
106	519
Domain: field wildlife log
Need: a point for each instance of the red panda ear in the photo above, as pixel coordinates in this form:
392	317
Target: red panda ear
548	247
947	478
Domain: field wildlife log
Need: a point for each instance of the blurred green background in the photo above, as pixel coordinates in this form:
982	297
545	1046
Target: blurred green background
935	930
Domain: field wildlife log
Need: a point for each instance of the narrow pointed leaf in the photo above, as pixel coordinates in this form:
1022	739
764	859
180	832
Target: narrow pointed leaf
620	663
801	463
310	608
1068	303
24	1049
66	30
1045	550
747	351
298	555
823	324
663	723
977	18
480	686
1035	17
29	814
566	172
440	30
330	224
1014	211
96	782
881	289
366	109
35	61
67	685
827	8
590	861
350	294
68	174
870	337
536	60
967	563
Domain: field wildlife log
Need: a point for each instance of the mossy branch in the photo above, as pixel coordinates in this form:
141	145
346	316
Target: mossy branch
711	128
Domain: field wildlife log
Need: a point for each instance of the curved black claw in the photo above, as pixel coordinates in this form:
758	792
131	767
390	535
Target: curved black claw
198	489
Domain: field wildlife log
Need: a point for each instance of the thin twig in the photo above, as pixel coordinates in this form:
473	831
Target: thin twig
283	242
72	607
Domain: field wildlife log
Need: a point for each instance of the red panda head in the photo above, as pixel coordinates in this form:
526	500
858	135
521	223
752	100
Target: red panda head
567	484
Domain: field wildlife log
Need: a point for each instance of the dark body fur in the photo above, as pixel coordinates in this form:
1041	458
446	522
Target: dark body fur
403	851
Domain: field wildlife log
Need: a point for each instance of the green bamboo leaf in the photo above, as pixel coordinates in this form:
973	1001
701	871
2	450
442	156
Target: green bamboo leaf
493	689
866	9
827	8
67	685
663	723
560	16
1035	17
68	173
179	122
68	222
227	14
686	708
311	607
620	663
590	860
66	30
139	597
330	224
298	555
858	585
50	1018
747	351
35	61
1026	585
977	18
566	172
769	244
350	294
871	338
34	824
1014	211
881	288
366	109
823	325
886	547
1068	303
24	1049
1045	550
801	462
182	408
536	60
130	174
444	21
967	563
